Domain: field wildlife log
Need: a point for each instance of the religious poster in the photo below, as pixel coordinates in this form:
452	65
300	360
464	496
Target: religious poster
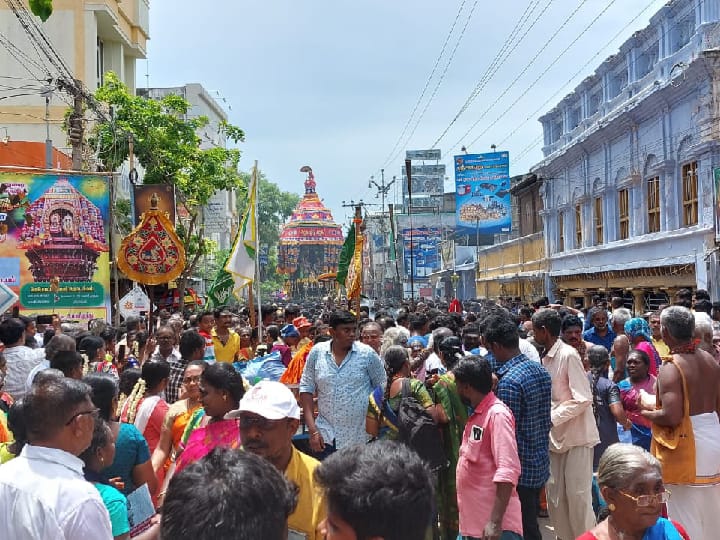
54	245
143	194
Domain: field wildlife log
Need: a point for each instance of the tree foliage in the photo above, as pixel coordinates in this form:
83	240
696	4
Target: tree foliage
167	145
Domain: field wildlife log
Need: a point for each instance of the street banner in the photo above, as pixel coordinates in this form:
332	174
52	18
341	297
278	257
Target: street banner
134	303
421	251
54	243
482	184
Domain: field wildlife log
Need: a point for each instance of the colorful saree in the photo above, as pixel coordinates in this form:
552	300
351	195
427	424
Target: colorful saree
223	433
446	394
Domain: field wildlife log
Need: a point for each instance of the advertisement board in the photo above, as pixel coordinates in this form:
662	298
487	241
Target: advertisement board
482	187
54	245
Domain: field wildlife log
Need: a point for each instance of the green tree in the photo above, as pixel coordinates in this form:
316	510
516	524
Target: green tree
167	144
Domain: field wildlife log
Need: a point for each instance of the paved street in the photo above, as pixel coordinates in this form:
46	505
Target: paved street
546	529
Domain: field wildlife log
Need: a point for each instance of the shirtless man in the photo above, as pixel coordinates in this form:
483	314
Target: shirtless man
621	343
691	464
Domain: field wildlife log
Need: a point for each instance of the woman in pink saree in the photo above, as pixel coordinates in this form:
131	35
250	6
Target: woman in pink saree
221	388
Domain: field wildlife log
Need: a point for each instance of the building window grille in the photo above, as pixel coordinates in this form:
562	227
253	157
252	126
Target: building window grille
624	213
653	204
690	194
598	221
578	226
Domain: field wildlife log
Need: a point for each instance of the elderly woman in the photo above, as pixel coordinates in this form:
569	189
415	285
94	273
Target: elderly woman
396	335
631	483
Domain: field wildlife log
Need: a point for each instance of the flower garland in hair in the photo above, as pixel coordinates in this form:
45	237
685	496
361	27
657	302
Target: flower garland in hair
138	392
86	364
121	403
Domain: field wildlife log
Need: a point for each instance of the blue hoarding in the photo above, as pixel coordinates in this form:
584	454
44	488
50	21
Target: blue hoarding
482	187
421	250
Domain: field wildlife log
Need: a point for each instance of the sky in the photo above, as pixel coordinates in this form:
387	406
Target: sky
333	84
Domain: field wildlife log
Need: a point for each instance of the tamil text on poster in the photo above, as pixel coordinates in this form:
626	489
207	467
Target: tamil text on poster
54	243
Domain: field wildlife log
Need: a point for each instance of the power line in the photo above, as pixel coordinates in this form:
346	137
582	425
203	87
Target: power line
440	80
500	58
531	62
427	84
580	71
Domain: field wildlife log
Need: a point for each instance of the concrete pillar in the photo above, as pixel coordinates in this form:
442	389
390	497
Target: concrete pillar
638	302
587	299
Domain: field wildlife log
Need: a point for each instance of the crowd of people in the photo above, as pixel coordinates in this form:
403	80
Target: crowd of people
412	423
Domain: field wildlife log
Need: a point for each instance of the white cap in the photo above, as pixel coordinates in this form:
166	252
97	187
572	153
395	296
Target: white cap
269	399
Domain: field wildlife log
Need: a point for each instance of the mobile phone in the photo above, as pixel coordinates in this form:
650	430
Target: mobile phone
44	319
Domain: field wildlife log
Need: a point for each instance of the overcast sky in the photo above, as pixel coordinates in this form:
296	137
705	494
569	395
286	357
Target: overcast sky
332	84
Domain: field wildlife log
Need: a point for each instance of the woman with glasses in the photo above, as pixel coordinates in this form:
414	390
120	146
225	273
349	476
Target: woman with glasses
131	466
631	483
221	388
177	417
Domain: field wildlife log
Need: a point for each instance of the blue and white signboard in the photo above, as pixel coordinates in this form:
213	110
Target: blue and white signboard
482	186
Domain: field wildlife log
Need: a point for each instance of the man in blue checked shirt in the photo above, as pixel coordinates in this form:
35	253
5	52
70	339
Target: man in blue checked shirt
525	387
343	372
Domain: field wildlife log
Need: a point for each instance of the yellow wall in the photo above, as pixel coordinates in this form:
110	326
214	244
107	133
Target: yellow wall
499	266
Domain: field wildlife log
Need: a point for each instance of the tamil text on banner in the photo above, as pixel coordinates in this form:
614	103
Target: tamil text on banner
482	184
421	250
54	243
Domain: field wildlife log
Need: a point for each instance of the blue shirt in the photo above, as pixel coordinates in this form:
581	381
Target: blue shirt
525	387
131	449
595	339
342	390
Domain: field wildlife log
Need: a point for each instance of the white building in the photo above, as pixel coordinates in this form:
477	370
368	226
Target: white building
91	37
220	214
629	159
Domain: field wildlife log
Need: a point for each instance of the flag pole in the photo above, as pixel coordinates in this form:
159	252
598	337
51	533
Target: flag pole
258	298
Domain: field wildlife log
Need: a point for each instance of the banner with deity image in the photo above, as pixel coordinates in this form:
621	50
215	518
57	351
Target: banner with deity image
54	243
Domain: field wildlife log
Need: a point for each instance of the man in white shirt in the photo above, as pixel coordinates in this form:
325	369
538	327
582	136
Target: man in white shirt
43	493
20	359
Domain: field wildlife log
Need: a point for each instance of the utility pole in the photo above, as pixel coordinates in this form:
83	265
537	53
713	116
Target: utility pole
408	173
383	190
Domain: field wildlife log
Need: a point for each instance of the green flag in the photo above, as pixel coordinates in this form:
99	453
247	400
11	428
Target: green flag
346	255
222	286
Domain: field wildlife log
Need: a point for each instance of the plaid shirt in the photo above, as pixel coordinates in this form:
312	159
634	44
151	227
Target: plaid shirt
177	370
525	387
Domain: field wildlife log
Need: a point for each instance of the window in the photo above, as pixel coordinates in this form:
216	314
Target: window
624	213
647	59
690	194
653	204
100	62
594	102
598	221
561	231
578	226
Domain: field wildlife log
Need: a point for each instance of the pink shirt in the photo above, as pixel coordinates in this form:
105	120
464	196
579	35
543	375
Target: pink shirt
488	454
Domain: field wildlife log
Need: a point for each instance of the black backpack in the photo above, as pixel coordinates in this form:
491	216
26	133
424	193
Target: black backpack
419	431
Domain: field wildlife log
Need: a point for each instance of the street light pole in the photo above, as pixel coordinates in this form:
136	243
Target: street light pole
383	190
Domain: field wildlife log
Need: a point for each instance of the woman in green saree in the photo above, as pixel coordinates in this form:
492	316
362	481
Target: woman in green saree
452	415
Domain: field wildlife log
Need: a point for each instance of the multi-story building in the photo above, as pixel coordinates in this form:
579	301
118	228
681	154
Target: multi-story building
91	36
516	268
627	177
220	215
